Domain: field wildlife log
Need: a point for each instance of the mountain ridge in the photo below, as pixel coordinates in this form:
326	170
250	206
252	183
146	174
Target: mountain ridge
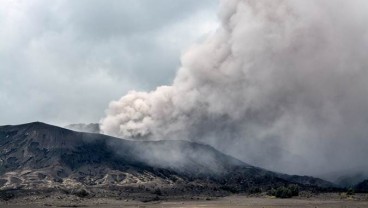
39	156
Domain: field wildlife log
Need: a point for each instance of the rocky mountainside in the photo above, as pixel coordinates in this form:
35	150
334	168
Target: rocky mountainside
38	156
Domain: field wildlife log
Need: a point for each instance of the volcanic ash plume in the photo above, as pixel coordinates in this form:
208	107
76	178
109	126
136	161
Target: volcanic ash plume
282	84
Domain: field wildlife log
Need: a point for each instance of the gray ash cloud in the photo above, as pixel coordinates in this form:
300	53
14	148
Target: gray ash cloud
282	84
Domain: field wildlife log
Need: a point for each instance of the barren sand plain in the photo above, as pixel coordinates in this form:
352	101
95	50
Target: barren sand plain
320	201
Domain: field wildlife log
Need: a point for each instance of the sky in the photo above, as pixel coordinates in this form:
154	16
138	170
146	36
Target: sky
63	62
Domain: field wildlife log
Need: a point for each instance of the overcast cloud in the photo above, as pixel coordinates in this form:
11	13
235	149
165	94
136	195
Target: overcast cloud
63	61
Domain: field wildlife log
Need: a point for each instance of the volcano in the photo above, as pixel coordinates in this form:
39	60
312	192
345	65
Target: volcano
38	156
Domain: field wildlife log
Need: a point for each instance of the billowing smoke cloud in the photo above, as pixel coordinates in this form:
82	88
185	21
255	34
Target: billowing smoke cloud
282	84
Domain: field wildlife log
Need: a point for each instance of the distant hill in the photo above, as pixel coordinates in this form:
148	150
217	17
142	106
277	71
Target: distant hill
38	156
89	128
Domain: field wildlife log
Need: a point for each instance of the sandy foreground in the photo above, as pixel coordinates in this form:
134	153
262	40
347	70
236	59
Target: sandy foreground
321	201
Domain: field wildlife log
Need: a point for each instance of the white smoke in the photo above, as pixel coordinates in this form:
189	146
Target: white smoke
282	84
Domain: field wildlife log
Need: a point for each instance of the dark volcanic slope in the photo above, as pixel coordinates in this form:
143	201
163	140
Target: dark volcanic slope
39	156
362	186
